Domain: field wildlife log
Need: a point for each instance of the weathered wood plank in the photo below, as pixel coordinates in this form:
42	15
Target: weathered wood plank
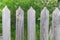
19	24
31	24
6	23
44	24
1	38
56	25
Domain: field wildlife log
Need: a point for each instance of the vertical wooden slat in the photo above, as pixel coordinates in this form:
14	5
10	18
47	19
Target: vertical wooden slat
6	23
31	24
56	25
44	24
19	24
1	38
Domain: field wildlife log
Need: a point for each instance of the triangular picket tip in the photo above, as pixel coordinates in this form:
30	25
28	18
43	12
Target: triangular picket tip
31	10
45	10
6	9
19	11
56	10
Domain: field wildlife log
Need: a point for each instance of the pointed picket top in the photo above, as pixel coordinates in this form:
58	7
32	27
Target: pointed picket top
44	10
56	11
19	11
5	9
31	10
44	13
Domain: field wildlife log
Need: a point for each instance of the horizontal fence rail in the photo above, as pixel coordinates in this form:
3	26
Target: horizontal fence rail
31	21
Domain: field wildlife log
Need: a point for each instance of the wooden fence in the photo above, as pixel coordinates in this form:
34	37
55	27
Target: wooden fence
31	17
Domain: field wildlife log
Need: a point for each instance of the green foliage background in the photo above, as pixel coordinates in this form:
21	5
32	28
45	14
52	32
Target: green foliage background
38	5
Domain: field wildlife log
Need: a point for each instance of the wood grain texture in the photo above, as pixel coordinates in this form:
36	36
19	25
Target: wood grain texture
6	23
19	24
44	24
31	24
56	25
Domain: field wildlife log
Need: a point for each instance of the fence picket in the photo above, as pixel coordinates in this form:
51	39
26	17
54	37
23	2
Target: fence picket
31	19
6	23
56	25
19	24
44	24
31	24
